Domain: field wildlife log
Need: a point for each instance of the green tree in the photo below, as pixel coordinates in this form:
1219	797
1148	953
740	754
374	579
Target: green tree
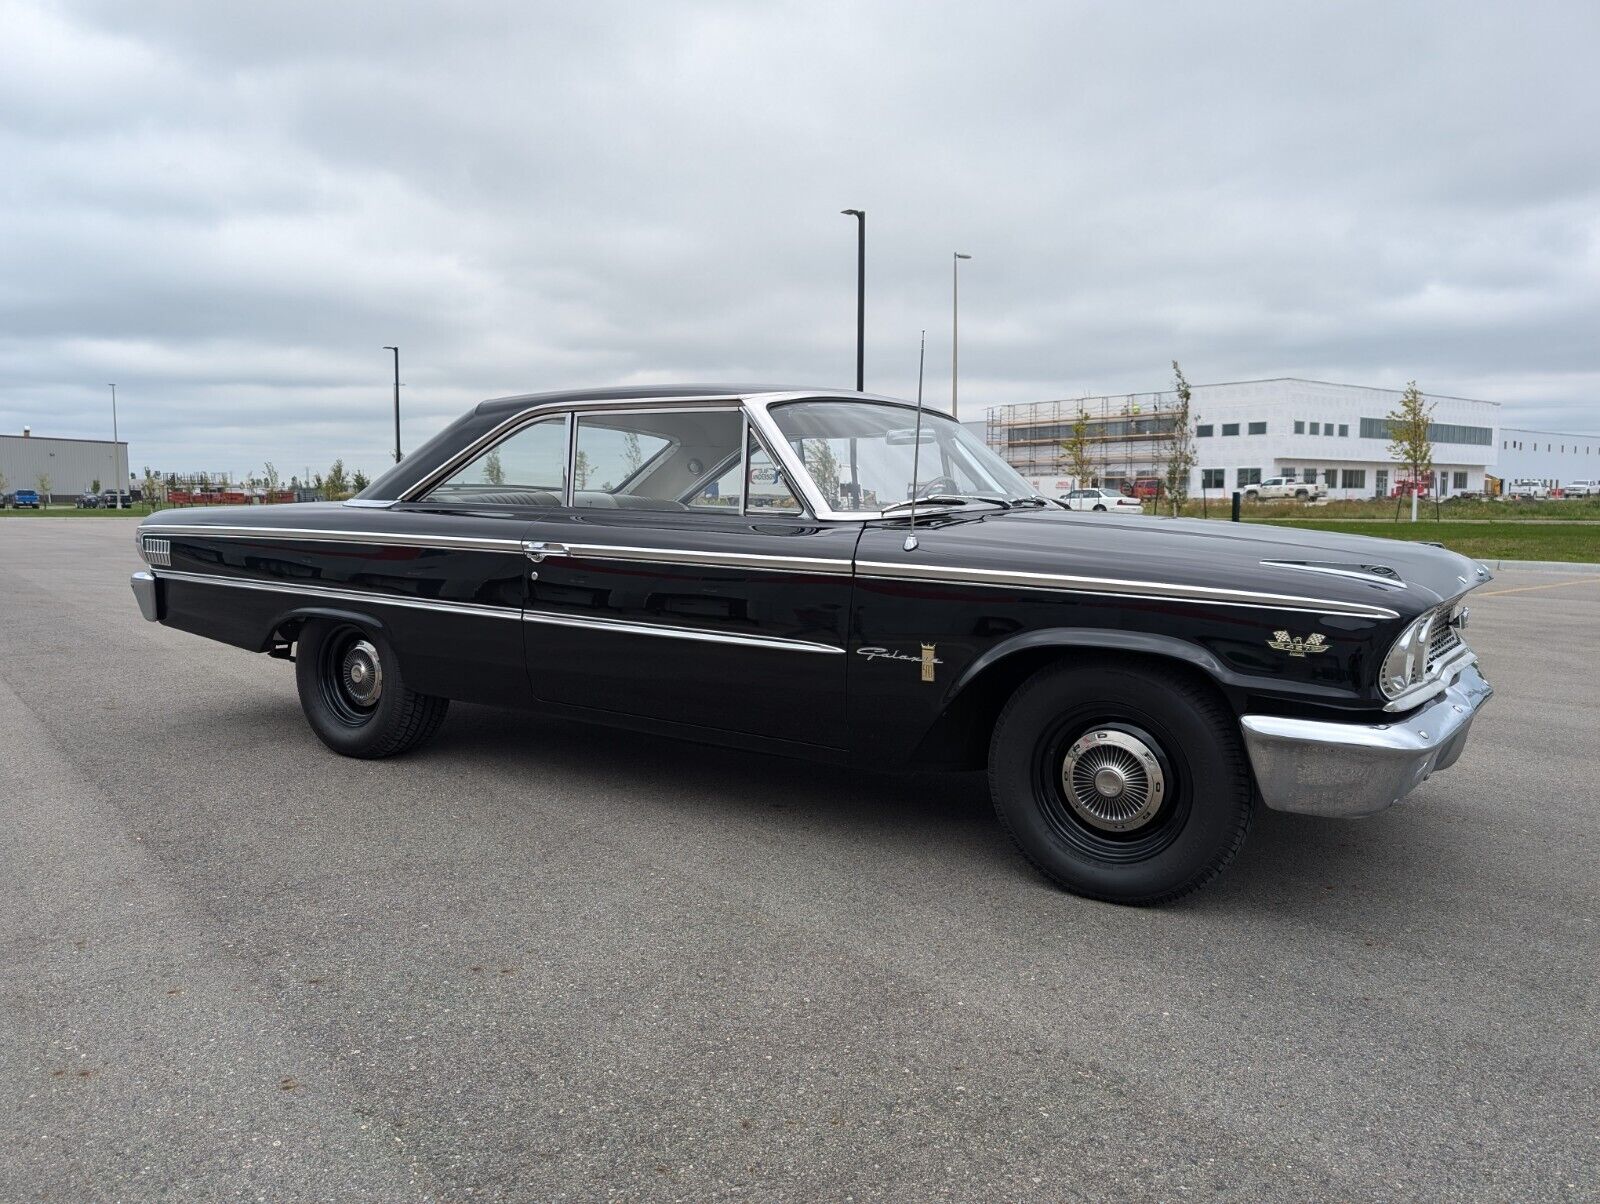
580	470
272	478
493	473
823	462
42	484
338	485
1077	447
1409	442
631	455
94	485
360	480
1180	453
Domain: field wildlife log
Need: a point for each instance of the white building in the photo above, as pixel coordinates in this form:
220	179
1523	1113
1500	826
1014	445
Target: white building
1248	431
1550	457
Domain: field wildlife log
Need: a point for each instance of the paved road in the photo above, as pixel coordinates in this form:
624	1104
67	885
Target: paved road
540	961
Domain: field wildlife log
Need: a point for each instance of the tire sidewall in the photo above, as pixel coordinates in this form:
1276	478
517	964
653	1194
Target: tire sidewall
351	741
1210	798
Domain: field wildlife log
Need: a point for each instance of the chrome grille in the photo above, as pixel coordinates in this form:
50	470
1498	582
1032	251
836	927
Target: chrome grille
158	552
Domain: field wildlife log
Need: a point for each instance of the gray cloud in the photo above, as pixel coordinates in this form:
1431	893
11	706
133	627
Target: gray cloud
228	209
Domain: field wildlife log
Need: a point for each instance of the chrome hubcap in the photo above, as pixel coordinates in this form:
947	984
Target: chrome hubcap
1112	780
362	673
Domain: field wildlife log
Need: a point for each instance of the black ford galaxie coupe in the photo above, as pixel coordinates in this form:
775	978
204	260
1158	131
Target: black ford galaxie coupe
842	576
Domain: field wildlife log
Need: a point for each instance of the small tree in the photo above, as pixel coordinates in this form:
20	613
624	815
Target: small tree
632	456
493	473
1077	449
360	480
337	483
42	484
580	470
272	479
152	489
94	485
1409	443
1180	455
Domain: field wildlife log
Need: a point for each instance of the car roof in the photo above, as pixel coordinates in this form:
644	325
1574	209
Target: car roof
521	401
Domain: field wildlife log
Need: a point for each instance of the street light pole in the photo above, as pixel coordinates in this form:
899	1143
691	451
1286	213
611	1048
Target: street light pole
116	472
955	325
396	351
861	295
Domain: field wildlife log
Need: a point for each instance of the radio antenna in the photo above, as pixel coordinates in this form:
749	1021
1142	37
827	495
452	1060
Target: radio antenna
916	444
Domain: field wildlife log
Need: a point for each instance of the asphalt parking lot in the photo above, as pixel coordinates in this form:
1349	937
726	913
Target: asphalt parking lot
541	961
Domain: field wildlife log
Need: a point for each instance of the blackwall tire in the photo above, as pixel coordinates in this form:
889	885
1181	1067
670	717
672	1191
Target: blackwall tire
354	695
1100	509
1162	727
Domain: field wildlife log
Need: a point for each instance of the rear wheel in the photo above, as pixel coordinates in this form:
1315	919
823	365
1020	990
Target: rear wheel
1301	495
1121	781
355	696
1101	509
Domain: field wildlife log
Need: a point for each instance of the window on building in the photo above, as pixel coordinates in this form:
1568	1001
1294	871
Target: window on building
1459	480
1344	430
1327	428
1311	476
1230	428
1354	478
1299	427
1288	474
1258	428
1316	428
1248	476
1203	432
1213	478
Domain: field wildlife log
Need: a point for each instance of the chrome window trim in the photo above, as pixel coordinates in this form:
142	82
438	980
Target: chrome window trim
370	503
667	631
1063	583
357	595
454	543
509	426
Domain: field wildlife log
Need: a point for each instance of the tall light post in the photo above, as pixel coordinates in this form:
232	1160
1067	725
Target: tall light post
861	295
955	324
116	472
396	351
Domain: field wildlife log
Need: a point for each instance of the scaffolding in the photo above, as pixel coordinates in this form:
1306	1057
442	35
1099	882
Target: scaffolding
1128	437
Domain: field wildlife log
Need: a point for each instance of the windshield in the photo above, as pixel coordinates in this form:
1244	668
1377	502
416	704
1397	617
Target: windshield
860	454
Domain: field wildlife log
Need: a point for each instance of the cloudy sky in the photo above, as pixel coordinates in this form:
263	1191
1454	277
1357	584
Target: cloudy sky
229	208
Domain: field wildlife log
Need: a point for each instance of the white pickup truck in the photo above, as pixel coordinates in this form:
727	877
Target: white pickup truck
1277	487
1526	487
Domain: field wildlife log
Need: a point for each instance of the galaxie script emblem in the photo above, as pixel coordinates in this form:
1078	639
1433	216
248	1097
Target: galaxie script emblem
927	659
1296	645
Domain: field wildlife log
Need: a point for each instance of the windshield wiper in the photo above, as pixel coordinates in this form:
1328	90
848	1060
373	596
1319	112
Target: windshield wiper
947	499
1030	500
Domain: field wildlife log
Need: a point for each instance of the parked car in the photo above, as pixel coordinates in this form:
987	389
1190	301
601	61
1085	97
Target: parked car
1528	488
1284	487
1145	487
1134	689
25	499
1101	499
1581	489
87	501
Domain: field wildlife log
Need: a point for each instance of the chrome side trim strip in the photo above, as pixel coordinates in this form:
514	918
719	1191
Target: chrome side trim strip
454	543
347	595
370	503
1305	566
1064	583
742	560
623	626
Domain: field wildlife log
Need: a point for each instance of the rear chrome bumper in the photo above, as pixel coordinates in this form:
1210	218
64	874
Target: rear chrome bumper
1346	769
148	591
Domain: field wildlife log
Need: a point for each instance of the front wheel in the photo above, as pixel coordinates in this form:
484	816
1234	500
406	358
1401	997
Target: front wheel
354	695
1100	509
1121	781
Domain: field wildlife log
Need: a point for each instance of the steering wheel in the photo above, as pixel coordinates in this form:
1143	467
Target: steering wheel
936	486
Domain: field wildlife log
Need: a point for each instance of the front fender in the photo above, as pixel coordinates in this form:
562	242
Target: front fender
1122	641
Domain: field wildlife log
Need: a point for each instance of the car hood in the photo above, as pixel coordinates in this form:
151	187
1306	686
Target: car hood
1396	574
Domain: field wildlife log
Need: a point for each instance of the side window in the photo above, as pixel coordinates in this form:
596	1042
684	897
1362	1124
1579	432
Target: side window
529	468
657	460
769	491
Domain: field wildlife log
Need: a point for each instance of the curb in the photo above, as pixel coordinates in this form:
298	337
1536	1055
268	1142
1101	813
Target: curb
1545	566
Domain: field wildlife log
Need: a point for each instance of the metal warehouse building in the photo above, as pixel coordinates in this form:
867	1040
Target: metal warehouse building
70	466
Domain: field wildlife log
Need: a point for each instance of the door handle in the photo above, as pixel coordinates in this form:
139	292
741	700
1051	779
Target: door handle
536	551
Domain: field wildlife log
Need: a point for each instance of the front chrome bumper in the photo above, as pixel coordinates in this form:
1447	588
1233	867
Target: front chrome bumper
148	591
1345	769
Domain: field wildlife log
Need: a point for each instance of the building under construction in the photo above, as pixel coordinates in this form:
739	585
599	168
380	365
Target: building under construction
1126	437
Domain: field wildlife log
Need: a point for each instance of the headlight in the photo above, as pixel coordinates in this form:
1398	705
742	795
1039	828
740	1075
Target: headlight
1408	659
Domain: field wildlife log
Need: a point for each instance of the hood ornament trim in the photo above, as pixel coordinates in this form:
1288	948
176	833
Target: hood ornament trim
1372	574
